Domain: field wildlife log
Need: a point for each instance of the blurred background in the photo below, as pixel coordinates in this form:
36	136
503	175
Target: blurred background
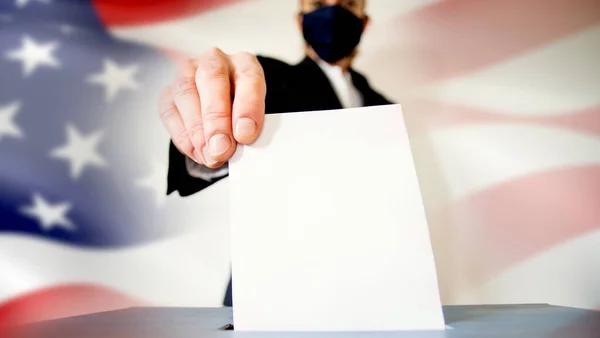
502	101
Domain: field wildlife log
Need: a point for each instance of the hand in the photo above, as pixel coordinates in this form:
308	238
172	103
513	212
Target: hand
217	101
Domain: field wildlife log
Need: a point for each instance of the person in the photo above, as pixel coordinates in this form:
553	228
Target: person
219	100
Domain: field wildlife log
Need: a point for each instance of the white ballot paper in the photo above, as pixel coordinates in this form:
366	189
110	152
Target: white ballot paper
328	227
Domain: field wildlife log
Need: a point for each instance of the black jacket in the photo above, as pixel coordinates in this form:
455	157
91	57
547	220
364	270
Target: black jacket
290	88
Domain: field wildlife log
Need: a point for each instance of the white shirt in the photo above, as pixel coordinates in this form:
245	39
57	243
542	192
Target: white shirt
341	81
346	92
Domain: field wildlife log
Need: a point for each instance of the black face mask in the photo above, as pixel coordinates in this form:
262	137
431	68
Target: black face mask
332	31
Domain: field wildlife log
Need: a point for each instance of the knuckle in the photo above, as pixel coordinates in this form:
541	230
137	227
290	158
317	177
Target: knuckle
250	71
181	137
184	86
212	65
182	141
214	113
247	65
250	90
187	63
167	111
166	107
195	128
212	52
212	70
186	68
245	57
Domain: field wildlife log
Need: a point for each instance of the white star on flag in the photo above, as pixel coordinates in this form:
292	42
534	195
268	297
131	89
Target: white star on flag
80	151
155	182
49	215
7	123
115	78
23	3
33	55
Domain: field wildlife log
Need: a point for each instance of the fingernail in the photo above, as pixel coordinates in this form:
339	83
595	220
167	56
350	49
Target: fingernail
207	158
245	127
219	144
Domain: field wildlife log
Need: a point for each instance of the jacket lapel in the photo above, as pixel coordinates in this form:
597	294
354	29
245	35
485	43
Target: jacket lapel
370	97
317	86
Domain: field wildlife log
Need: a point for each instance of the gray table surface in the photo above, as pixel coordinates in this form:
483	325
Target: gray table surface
529	320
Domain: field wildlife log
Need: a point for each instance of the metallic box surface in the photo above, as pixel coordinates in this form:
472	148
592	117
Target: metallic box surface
527	320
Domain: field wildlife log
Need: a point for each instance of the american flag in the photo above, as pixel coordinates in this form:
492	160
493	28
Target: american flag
85	222
502	100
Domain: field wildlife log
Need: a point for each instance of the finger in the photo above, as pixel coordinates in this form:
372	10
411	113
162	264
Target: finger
213	80
187	102
249	102
171	119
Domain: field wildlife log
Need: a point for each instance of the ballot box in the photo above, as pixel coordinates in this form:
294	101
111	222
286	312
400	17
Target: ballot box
523	321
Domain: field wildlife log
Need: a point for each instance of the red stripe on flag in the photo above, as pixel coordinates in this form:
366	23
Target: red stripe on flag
119	13
513	221
462	36
437	115
62	301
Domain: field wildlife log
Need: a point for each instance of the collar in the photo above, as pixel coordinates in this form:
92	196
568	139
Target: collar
329	67
332	70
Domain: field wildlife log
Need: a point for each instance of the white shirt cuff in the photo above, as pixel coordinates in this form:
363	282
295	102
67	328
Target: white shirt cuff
198	170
